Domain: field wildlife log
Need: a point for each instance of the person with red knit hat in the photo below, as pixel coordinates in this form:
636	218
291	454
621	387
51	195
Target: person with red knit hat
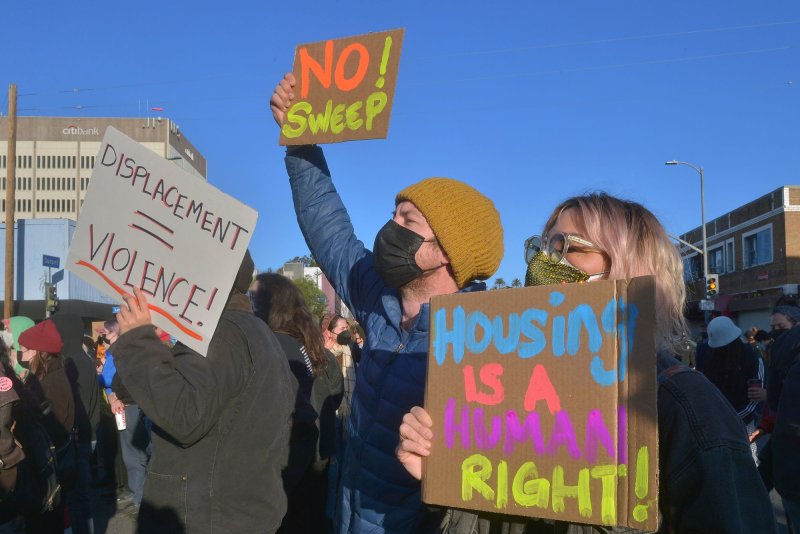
47	381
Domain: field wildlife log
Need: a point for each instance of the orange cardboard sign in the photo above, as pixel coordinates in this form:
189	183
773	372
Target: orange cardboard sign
345	89
544	403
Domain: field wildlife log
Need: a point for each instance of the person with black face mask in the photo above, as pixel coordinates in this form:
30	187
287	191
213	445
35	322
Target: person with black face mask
706	468
444	235
784	350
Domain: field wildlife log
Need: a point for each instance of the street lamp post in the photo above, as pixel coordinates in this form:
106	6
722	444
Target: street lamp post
699	171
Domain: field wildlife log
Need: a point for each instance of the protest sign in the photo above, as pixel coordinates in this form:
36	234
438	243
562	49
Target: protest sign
544	403
146	223
345	89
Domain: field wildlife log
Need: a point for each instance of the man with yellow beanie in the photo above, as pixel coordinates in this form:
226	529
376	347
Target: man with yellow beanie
443	236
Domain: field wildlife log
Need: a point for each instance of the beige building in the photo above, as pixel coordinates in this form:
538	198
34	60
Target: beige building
56	155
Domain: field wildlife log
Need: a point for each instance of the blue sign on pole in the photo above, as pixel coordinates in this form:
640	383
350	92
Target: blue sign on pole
50	261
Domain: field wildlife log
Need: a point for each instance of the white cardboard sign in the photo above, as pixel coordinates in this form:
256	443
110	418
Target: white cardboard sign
146	223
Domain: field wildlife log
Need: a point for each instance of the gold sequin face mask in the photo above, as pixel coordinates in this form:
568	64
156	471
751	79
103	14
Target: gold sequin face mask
543	271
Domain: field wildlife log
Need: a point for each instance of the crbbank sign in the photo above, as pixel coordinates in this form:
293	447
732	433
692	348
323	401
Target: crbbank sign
75	130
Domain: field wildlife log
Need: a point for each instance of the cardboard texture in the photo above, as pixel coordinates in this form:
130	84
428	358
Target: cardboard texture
146	223
544	403
345	89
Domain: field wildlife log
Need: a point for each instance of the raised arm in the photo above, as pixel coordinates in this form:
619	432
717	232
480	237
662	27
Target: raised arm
323	218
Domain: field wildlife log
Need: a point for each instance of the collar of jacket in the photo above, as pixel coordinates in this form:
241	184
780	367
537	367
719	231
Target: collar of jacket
239	302
391	303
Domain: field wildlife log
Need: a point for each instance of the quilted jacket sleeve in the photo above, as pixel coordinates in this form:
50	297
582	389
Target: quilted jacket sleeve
329	233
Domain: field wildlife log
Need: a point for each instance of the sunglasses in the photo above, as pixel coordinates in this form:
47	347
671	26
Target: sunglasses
556	246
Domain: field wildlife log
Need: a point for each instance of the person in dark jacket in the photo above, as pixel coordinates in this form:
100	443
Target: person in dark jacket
785	321
11	454
80	369
707	479
732	364
47	381
221	422
279	303
786	446
443	237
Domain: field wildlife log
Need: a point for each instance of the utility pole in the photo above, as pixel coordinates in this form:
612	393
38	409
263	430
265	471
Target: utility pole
11	178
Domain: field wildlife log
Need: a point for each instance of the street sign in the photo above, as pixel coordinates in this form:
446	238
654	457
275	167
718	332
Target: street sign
50	261
707	305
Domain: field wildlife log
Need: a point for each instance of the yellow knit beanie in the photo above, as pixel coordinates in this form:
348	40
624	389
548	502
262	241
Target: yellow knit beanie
465	223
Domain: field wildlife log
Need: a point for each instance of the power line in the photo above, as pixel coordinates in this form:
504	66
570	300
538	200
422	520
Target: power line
603	67
612	40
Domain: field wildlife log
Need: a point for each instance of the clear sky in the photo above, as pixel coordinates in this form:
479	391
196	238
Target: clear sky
530	101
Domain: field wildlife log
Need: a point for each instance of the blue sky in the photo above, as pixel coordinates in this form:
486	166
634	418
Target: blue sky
530	102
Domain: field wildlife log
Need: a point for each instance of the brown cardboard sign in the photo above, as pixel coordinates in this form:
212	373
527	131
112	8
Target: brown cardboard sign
544	403
345	89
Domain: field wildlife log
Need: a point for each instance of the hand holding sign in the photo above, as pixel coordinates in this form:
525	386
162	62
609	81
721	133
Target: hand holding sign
147	224
282	98
135	313
415	436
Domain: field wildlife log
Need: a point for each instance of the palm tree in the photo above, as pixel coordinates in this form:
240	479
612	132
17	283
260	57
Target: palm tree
500	283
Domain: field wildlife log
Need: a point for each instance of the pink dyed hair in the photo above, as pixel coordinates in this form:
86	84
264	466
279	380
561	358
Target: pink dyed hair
637	245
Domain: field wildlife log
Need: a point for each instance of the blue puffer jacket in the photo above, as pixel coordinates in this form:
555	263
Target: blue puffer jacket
377	493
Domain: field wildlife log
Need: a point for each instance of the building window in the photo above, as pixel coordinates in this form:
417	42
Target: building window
730	259
692	268
757	246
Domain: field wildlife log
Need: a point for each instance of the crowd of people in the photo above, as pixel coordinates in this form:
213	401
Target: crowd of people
298	424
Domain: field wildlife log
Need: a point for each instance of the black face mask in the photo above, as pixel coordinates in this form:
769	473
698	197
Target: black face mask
26	365
394	251
344	338
776	333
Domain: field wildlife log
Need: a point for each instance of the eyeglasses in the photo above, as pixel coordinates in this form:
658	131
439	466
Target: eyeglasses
556	246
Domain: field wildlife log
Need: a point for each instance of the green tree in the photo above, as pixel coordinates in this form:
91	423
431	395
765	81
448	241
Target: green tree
500	283
516	283
307	260
315	299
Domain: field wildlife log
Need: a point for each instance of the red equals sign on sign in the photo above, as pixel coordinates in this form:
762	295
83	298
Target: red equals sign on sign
151	233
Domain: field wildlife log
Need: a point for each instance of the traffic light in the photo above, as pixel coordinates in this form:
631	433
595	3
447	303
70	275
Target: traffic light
51	297
712	286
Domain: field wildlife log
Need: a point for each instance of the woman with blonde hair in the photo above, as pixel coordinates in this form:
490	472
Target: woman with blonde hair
708	481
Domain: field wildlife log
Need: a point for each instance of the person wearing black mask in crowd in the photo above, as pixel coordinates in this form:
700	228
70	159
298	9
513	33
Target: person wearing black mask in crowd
443	236
785	348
